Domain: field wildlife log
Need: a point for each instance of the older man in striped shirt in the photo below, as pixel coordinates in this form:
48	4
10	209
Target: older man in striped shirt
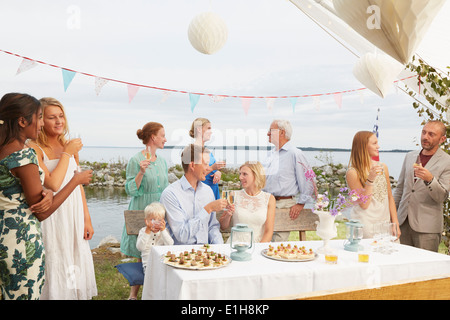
286	173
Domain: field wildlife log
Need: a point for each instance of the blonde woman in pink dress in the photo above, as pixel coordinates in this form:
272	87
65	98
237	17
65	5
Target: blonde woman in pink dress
253	207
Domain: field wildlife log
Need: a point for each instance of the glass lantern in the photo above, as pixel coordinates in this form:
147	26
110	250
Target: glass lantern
241	240
354	235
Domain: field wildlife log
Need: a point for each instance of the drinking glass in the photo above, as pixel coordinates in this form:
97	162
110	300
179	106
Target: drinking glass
76	135
393	236
224	193
230	197
148	153
377	236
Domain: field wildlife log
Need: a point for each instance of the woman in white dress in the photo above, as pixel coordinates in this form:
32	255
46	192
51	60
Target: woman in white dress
69	267
253	206
372	179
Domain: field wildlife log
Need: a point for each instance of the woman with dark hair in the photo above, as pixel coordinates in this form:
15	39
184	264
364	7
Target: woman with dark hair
146	178
22	250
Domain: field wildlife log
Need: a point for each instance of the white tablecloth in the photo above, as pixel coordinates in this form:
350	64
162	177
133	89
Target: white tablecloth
266	278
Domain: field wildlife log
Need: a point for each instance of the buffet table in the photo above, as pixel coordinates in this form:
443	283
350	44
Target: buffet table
263	278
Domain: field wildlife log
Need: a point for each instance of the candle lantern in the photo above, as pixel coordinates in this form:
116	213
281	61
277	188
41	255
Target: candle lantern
354	236
241	241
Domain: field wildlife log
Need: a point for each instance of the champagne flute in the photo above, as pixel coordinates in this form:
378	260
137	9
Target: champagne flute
230	197
76	135
224	193
148	153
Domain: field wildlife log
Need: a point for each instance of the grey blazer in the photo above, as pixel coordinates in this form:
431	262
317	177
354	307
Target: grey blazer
423	204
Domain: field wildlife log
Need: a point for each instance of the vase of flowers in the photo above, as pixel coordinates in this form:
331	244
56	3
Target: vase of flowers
328	209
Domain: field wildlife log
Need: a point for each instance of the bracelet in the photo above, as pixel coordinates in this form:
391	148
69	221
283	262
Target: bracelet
66	153
370	181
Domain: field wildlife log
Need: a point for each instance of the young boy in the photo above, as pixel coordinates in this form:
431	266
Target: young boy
155	232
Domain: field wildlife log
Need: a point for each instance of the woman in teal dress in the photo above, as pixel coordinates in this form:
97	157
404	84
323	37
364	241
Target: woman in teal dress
23	201
147	177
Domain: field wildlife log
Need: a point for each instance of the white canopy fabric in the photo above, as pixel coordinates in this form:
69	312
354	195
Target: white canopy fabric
433	43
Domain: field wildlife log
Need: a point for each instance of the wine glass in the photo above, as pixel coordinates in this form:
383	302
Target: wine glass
393	235
148	153
224	193
76	135
377	236
230	197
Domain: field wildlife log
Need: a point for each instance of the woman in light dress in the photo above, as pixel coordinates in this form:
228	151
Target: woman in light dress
69	267
201	132
253	206
372	179
146	180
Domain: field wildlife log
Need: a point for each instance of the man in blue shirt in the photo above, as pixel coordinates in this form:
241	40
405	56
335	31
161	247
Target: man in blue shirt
190	204
287	171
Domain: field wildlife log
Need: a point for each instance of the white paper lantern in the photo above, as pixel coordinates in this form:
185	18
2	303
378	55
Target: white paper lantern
377	72
207	32
395	26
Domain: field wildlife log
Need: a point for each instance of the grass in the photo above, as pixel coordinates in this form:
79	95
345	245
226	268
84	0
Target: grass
111	285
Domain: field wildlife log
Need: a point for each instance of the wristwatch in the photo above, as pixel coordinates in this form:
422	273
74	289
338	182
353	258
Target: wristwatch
429	182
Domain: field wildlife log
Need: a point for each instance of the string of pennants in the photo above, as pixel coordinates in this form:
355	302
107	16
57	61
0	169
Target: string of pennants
194	97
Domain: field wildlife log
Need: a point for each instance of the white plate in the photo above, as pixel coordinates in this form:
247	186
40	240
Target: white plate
165	260
264	253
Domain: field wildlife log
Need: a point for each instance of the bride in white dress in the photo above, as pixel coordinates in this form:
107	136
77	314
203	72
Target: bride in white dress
253	206
69	267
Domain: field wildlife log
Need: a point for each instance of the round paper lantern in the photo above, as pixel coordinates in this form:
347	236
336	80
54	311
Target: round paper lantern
377	72
207	32
396	27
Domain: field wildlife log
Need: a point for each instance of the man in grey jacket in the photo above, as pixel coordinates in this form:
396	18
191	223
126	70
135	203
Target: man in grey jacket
423	187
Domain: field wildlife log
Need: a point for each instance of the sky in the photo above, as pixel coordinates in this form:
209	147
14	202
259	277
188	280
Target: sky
272	49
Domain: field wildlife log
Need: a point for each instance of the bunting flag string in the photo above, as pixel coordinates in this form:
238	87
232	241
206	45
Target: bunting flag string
100	82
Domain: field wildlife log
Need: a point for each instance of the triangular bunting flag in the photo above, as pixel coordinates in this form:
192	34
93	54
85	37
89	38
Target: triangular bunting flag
26	65
246	104
99	83
270	102
132	90
193	98
293	103
217	98
317	102
338	99
67	77
166	95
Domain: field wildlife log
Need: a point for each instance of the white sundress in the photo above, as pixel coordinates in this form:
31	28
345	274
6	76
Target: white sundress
69	267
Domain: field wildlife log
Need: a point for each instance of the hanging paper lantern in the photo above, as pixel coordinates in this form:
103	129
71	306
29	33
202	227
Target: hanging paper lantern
396	27
377	72
207	32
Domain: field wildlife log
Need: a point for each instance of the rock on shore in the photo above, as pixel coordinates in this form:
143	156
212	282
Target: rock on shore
328	176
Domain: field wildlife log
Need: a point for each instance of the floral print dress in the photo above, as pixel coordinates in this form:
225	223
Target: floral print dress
21	246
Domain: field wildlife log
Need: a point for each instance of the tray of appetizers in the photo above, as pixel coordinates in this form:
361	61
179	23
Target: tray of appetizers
289	253
196	259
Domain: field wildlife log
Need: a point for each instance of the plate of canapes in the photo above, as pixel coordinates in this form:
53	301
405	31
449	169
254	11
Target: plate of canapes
196	259
291	253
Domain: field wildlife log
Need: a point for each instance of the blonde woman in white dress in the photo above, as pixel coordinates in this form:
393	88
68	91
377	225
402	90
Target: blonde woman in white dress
69	266
372	179
254	207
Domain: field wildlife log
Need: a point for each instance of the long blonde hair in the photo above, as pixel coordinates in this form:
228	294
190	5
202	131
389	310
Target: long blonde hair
359	157
42	139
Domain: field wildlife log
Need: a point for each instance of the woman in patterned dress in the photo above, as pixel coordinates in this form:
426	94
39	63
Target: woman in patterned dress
373	178
21	247
146	180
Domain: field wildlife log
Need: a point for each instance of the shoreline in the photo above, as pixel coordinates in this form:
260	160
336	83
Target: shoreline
113	175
